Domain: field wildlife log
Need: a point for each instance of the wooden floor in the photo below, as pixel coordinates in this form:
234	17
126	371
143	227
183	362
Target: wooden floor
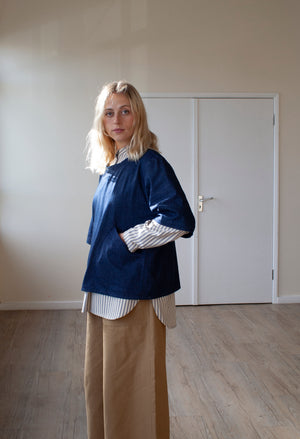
233	372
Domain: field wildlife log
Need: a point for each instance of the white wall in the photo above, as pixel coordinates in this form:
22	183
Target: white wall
56	56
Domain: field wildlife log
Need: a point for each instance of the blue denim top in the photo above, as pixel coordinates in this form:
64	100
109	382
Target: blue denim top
130	193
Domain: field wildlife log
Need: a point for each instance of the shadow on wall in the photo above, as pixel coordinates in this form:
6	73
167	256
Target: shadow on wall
56	55
94	41
34	275
16	276
21	16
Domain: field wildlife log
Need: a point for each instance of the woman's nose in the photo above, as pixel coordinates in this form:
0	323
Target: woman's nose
116	118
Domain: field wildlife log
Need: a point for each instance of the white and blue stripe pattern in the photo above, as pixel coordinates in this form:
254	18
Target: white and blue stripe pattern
113	308
150	234
142	236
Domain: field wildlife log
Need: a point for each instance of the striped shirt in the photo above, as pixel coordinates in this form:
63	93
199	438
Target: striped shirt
147	235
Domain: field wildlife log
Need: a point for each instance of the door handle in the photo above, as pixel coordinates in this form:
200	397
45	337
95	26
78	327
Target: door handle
201	200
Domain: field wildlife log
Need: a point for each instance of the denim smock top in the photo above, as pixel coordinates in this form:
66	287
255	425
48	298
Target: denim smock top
130	193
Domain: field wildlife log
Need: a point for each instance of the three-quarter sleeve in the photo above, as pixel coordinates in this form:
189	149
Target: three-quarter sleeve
165	195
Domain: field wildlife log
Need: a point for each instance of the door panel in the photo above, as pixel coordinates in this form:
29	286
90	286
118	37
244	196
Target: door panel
172	121
235	228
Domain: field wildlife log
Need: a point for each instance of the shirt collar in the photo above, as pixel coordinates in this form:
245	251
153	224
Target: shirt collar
121	155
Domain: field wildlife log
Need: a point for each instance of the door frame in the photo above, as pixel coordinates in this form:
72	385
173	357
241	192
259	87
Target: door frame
275	233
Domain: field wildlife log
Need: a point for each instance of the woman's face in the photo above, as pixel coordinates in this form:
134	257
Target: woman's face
118	119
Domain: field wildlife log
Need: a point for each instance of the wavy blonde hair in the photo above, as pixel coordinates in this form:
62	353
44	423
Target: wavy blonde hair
100	147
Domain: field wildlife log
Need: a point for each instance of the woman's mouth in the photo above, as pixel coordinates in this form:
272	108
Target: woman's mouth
118	130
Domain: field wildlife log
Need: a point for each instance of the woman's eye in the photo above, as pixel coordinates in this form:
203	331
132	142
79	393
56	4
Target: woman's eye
109	114
125	112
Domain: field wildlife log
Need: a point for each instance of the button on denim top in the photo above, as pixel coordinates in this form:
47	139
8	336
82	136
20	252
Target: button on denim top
130	193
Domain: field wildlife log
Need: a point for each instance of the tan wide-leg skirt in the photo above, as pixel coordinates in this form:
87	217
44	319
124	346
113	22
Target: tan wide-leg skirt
125	376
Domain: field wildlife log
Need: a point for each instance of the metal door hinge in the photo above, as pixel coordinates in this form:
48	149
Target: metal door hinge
272	274
274	119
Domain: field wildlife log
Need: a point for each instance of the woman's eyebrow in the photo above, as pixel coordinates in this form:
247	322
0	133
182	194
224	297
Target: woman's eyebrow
122	106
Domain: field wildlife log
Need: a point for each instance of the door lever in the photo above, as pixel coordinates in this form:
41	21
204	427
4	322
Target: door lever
201	200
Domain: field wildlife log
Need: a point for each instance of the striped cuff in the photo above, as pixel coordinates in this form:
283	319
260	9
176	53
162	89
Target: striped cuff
150	234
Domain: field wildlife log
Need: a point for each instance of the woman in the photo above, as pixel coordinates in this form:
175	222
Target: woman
139	209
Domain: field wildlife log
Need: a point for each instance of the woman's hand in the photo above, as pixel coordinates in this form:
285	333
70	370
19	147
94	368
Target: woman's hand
121	236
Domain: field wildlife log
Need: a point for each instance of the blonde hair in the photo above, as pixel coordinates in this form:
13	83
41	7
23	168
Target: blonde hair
101	147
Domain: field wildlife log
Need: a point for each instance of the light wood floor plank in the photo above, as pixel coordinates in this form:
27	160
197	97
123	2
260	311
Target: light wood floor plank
247	377
233	373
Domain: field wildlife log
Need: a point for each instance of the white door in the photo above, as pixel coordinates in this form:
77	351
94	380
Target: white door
172	120
235	228
233	240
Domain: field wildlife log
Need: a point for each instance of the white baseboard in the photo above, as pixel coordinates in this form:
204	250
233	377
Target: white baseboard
295	298
44	305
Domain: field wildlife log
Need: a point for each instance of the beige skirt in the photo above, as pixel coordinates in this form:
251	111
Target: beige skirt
125	376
